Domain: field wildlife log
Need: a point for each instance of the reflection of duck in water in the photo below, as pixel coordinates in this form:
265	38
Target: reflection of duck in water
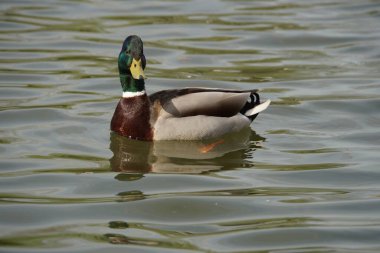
182	156
180	114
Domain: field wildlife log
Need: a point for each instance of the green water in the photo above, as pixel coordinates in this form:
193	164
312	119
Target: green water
306	178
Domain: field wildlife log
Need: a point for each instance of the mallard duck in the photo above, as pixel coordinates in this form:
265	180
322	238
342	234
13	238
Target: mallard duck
177	114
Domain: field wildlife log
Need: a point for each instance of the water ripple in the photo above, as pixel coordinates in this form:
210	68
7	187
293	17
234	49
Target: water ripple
305	180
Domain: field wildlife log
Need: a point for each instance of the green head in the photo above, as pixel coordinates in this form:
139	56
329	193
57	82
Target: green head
131	64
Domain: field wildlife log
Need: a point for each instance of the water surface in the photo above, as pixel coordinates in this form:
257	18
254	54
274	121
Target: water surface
305	178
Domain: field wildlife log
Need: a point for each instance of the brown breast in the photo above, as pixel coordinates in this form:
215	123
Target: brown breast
131	118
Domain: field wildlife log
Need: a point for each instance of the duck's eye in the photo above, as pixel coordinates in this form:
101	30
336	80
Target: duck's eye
135	65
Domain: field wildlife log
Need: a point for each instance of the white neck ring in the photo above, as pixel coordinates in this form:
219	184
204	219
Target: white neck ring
131	94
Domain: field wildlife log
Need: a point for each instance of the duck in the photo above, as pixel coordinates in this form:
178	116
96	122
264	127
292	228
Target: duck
195	113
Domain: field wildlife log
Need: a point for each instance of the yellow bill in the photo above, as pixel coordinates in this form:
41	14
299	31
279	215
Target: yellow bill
136	69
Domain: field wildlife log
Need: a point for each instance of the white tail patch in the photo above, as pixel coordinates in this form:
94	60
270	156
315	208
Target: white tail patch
259	108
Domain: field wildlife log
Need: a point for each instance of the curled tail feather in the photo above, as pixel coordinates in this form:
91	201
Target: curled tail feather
252	108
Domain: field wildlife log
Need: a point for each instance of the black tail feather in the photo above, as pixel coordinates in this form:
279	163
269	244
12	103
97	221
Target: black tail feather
254	101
